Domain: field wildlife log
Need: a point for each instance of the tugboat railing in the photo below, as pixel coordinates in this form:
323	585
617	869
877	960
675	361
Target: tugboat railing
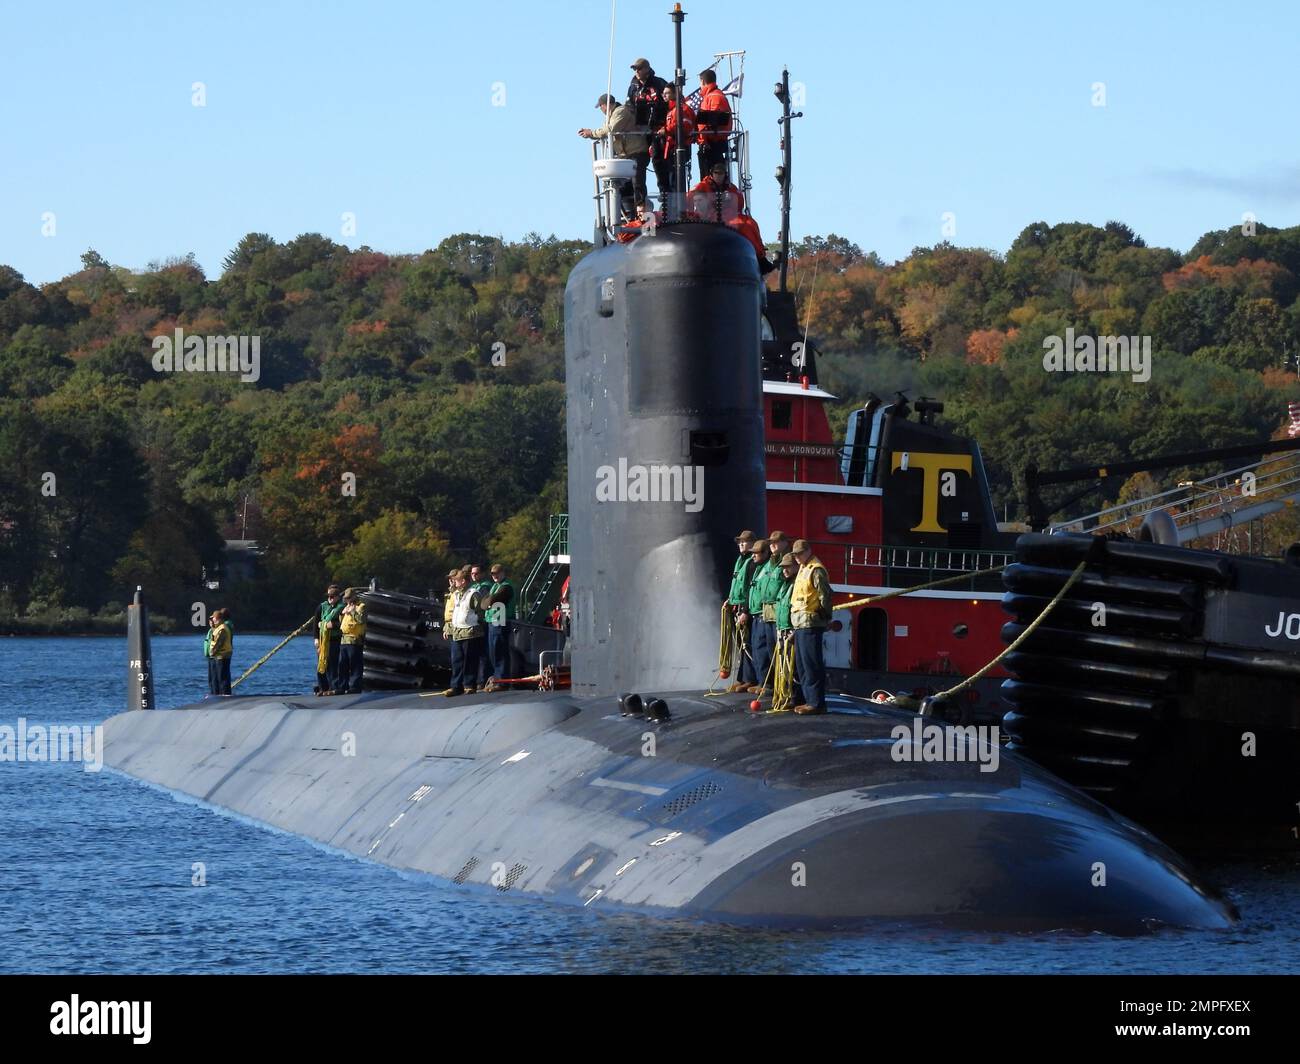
883	564
903	566
1274	478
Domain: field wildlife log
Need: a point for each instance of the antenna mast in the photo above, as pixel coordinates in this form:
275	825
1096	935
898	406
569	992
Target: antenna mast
783	171
681	156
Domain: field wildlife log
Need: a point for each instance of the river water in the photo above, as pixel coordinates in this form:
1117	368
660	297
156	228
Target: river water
98	874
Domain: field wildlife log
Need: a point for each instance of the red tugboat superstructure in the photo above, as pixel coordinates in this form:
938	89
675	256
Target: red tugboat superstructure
900	503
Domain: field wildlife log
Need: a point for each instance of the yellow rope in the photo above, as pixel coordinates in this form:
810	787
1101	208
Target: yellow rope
274	650
919	587
1074	579
783	683
725	651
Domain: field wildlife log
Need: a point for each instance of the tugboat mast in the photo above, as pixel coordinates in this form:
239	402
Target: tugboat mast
783	171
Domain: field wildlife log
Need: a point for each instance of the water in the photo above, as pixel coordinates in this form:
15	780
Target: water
96	875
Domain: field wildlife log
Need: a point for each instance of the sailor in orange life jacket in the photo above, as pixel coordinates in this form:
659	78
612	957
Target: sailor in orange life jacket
668	134
713	120
716	199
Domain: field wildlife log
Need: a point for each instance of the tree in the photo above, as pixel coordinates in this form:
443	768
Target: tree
399	548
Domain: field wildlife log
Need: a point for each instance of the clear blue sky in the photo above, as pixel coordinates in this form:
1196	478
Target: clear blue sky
385	109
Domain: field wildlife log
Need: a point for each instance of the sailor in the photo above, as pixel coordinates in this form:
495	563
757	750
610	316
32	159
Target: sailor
716	199
784	651
810	613
713	118
327	640
666	145
447	601
463	633
738	606
763	593
502	612
479	582
646	96
629	143
760	648
352	626
745	225
218	646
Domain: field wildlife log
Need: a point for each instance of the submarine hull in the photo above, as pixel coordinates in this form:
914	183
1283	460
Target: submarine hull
718	815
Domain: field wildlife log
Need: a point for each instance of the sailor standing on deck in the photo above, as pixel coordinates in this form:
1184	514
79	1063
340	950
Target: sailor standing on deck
810	613
352	654
713	119
758	648
762	607
328	629
463	632
666	146
218	646
738	607
479	582
646	97
501	612
785	659
628	143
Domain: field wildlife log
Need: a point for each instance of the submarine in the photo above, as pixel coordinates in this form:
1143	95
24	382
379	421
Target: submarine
639	789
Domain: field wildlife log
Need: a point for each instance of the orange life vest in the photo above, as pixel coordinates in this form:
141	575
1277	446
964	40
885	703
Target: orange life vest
714	99
717	205
669	131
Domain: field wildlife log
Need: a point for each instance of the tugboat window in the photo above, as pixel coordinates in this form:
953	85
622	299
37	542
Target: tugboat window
766	327
781	415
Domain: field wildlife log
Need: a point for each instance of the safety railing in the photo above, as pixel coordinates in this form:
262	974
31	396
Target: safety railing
541	577
884	565
1223	492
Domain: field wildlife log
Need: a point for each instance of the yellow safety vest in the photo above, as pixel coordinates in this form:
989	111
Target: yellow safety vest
806	599
354	624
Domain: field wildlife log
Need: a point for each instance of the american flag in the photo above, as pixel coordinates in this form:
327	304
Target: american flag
732	88
1293	411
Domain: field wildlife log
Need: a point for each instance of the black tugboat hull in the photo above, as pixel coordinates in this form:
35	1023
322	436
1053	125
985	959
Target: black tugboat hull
1165	685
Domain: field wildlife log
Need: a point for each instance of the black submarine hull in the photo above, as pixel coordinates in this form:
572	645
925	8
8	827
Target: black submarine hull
716	815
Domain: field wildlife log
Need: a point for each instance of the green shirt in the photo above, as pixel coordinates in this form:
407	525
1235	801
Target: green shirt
506	590
783	605
765	585
327	617
741	575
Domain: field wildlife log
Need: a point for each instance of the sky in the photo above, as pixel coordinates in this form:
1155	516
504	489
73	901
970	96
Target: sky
923	121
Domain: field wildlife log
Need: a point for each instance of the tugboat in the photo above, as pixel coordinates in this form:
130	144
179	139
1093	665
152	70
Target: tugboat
635	790
1167	682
